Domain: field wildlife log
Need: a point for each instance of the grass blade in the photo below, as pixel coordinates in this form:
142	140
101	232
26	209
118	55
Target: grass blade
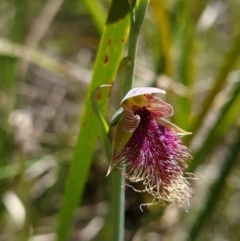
228	115
230	59
106	65
215	191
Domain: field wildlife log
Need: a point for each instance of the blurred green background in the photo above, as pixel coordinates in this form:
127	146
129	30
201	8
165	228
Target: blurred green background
47	51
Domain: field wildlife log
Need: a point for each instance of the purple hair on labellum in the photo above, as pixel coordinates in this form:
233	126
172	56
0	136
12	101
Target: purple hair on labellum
152	152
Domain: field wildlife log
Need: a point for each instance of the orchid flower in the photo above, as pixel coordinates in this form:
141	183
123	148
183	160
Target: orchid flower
148	148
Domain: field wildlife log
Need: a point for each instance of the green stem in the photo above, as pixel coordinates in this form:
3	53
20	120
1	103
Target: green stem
117	205
132	49
118	181
135	26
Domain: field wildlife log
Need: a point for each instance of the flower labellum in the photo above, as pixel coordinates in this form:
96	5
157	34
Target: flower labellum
148	149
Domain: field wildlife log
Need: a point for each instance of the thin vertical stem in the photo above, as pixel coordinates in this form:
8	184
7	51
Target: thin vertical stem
117	206
137	16
118	181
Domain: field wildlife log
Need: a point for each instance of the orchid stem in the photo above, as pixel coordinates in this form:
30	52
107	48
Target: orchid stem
118	181
117	205
137	15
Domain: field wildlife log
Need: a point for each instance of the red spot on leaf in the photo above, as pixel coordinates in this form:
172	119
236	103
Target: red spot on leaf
98	95
122	40
109	41
105	59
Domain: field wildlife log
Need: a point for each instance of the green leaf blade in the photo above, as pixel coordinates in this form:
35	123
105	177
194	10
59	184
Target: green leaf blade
106	65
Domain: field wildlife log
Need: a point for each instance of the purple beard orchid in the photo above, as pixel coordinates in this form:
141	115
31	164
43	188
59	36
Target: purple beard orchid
147	148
